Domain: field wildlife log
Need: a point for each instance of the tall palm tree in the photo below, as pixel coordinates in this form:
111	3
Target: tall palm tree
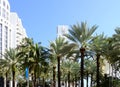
75	72
67	66
110	53
53	63
11	60
4	73
87	70
60	47
116	47
97	46
71	71
25	51
34	57
92	68
81	35
45	74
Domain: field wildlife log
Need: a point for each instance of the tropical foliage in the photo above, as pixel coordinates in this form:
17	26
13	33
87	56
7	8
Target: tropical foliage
83	56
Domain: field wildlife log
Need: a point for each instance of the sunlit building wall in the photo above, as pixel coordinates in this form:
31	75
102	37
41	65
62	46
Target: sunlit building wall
18	29
11	29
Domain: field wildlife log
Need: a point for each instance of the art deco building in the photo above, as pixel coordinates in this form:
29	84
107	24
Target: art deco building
11	29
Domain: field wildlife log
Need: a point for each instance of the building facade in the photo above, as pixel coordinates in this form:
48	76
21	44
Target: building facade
61	30
11	29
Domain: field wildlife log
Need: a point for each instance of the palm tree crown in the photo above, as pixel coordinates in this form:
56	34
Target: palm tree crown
81	34
11	61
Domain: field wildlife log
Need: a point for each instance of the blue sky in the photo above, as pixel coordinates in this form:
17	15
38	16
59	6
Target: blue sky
41	17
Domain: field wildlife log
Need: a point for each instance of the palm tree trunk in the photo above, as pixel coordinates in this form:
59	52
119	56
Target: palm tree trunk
98	65
65	83
82	50
43	82
109	73
13	72
112	76
115	71
59	74
54	75
32	79
35	78
91	80
75	80
72	83
69	79
6	76
87	79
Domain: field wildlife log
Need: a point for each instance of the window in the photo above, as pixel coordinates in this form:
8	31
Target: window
0	38
0	10
10	37
7	7
3	12
0	31
6	36
3	3
7	15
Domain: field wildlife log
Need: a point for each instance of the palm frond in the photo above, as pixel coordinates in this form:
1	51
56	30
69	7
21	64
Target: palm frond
80	33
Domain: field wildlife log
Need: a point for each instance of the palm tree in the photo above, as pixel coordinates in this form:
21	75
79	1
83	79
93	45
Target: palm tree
4	73
53	63
75	72
71	71
97	46
92	68
116	50
25	51
60	47
11	60
45	74
87	69
81	35
34	57
111	51
67	66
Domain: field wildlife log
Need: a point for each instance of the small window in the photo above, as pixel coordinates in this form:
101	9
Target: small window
7	7
3	12
3	3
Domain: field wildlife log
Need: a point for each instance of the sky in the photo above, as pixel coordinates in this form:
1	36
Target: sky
40	18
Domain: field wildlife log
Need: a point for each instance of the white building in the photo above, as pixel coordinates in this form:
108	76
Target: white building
11	29
61	30
18	29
